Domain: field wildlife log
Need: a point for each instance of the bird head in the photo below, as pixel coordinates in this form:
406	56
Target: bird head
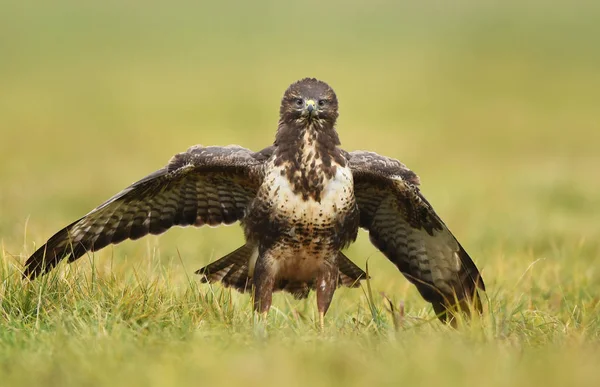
309	101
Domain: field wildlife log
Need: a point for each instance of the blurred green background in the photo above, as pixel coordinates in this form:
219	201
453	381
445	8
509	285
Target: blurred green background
494	104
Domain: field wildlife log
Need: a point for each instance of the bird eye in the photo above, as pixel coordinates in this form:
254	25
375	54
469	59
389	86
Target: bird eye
321	102
299	102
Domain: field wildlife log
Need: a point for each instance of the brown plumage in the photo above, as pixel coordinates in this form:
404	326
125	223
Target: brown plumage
234	270
299	202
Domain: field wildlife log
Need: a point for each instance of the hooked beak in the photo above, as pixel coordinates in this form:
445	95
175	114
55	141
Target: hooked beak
310	106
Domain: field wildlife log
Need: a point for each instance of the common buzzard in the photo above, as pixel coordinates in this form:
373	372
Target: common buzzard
300	202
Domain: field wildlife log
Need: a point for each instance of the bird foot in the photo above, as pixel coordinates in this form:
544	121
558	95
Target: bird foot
322	322
260	325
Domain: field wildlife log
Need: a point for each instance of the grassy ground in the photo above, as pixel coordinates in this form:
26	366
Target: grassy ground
495	106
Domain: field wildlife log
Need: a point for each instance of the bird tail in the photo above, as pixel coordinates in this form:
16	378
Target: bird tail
350	274
232	270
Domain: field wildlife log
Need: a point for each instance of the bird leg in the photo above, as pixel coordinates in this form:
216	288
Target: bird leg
263	287
326	285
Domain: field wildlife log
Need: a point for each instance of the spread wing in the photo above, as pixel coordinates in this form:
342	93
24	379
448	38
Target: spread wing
405	228
204	185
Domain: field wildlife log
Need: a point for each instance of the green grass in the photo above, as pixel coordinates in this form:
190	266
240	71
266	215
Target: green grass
494	106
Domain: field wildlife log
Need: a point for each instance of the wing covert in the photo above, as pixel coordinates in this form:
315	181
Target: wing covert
202	186
405	228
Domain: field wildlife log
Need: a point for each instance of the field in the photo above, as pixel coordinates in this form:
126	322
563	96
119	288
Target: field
495	105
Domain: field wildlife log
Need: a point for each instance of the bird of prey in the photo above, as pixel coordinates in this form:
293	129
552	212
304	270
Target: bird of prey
300	202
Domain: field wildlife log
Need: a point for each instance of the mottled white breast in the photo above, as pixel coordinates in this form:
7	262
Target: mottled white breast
337	197
311	223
